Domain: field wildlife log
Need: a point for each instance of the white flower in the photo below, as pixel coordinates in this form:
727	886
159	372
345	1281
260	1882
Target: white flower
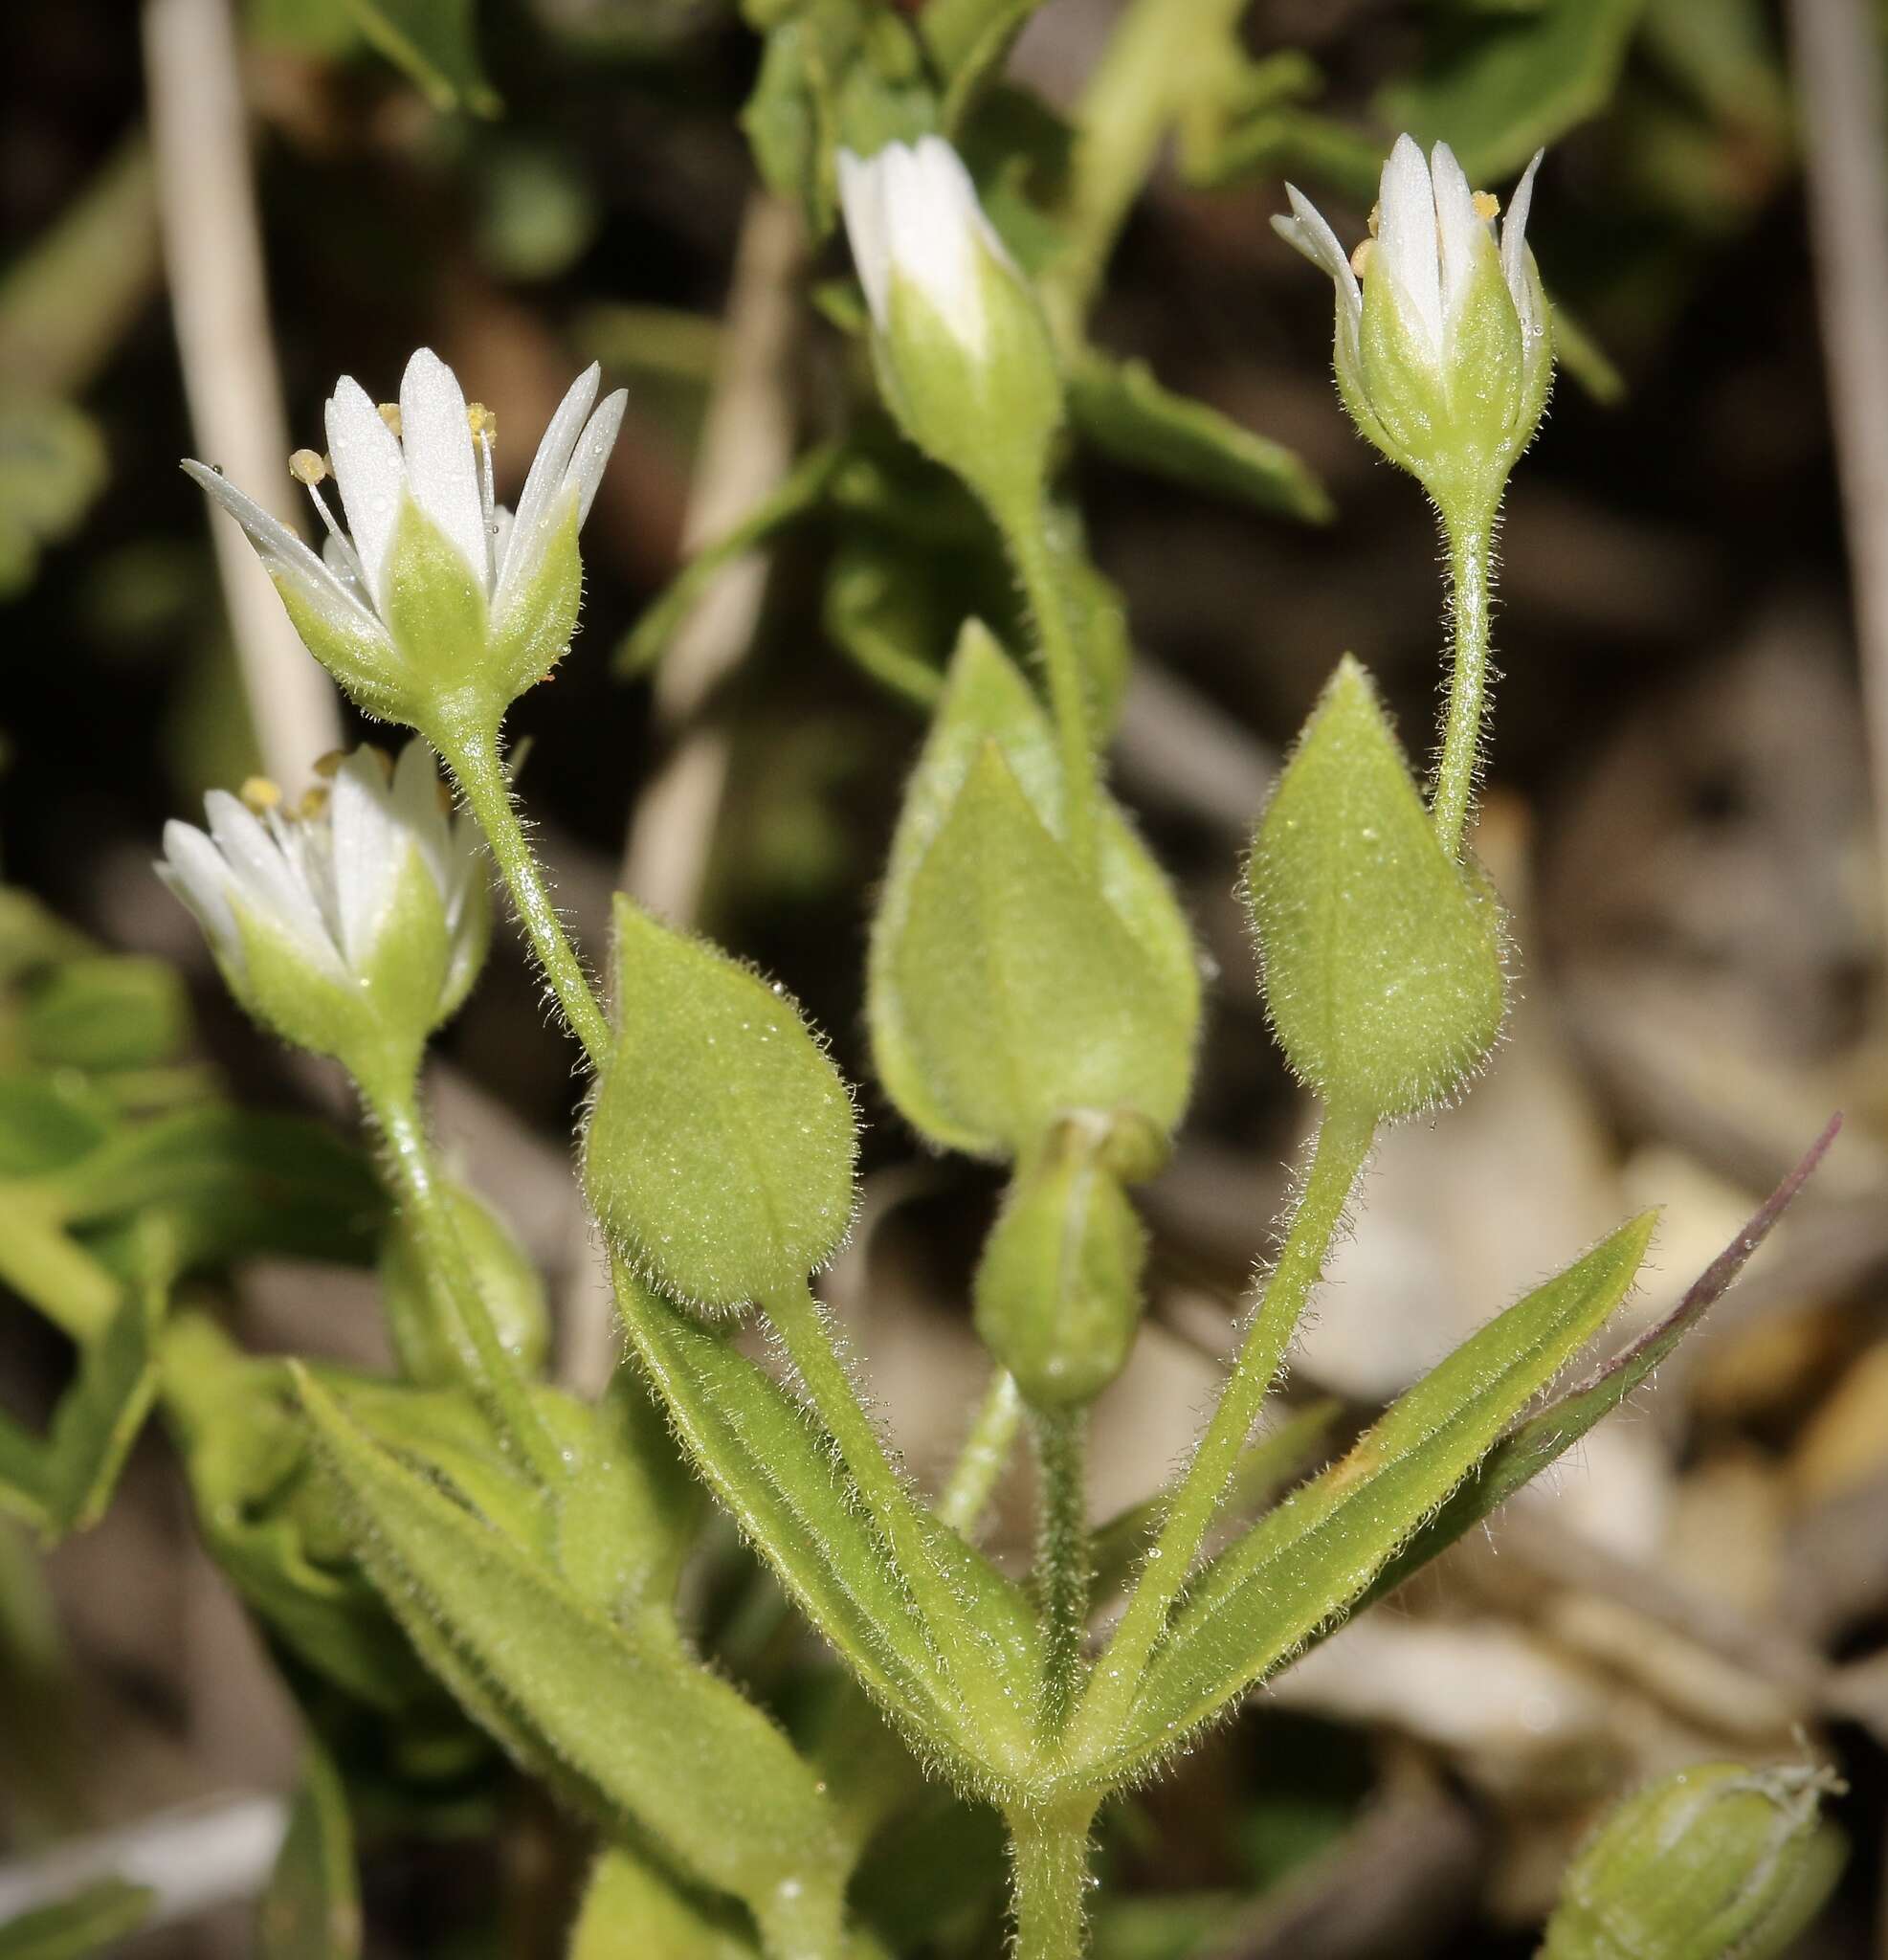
912	211
441	458
326	896
1443	353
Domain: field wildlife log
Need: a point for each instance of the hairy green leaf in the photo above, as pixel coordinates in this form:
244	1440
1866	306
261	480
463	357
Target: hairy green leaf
719	1153
616	1714
633	1910
1308	1561
1121	410
1003	988
1381	958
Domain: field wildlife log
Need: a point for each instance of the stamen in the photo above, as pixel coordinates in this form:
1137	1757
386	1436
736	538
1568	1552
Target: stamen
314	802
306	467
390	414
1360	257
484	427
260	795
1376	219
349	556
327	766
1487	206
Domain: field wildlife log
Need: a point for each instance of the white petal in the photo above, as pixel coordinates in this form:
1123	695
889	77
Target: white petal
1308	232
194	868
936	224
1460	234
416	806
372	475
1407	242
530	528
370	848
1514	239
265	882
593	447
862	200
441	464
287	559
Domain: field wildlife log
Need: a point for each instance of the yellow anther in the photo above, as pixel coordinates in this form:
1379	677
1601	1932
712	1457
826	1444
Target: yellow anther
260	793
1360	257
314	801
307	467
381	756
480	420
1486	205
327	766
390	414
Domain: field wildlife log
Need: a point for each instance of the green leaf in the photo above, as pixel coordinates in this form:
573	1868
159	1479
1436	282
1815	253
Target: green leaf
633	1910
105	1014
1002	988
589	1701
52	466
232	1183
781	1481
46	1124
433	43
87	1923
719	1153
1520	1455
1381	961
63	1483
1498	88
312	1908
1307	1562
800	493
1119	409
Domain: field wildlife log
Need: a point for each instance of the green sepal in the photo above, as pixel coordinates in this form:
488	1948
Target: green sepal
511	1286
435	607
535	630
585	1700
1057	1288
1719	1862
1101	1001
1381	958
991	413
719	1151
1305	1563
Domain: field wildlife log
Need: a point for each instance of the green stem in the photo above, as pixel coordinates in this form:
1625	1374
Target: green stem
472	757
1471	580
799	1320
1062	1566
1152	65
489	1369
984	1456
1343	1143
1027	534
1049	1854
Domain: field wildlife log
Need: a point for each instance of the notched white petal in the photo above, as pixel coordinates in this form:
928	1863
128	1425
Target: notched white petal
549	469
370	473
593	448
1514	239
1407	239
1461	236
1307	230
368	854
193	868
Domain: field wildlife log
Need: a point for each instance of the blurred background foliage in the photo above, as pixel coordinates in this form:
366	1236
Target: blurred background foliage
1678	811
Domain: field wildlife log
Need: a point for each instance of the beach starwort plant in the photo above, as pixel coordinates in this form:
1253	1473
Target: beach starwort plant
1033	1000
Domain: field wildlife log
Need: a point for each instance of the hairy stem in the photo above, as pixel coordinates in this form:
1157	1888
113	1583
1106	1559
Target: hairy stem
474	760
1048	1864
984	1456
798	1320
1470	544
494	1375
1062	1566
1343	1143
1033	551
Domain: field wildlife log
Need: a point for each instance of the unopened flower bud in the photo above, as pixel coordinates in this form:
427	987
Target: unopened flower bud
1716	1863
963	351
1444	351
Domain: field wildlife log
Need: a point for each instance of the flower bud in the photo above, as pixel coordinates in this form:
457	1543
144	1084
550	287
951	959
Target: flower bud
962	348
1715	1862
510	1285
353	927
1444	353
1058	1287
441	606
